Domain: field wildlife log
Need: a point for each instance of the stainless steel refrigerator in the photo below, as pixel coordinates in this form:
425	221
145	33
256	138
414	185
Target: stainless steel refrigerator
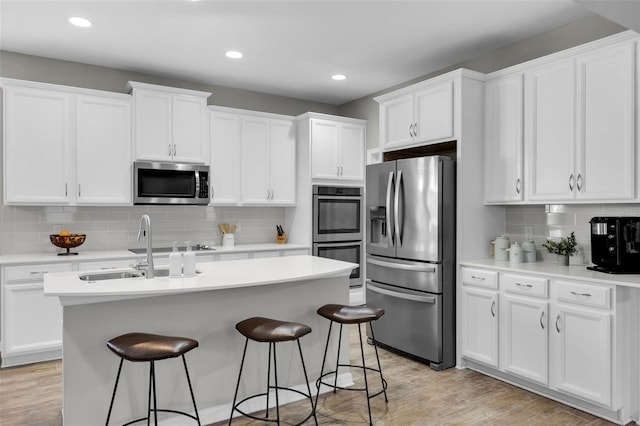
411	256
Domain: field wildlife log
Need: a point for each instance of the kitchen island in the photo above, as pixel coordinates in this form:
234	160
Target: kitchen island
205	307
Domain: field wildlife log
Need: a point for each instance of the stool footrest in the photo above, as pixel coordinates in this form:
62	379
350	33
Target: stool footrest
162	411
320	382
266	419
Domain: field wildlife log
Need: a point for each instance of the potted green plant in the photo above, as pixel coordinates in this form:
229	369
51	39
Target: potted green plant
564	248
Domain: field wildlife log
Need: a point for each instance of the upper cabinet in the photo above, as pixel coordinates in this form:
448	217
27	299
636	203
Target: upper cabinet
337	149
170	124
65	146
422	113
252	158
503	167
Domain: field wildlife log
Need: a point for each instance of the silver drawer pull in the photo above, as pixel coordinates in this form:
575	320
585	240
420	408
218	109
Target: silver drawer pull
478	278
580	294
542	320
524	285
37	272
493	305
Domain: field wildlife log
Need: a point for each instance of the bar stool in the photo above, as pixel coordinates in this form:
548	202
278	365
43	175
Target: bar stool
271	331
344	314
144	347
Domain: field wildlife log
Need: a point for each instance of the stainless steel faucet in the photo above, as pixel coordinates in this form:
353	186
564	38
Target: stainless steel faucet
145	232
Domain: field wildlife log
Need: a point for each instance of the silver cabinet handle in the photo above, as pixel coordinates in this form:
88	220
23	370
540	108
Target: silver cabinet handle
415	129
66	192
338	170
273	194
542	320
571	182
37	272
579	182
411	130
174	149
212	192
390	230
478	278
341	171
557	319
79	191
524	285
169	147
518	186
493	305
580	294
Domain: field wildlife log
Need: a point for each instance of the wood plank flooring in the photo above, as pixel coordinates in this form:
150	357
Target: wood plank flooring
31	395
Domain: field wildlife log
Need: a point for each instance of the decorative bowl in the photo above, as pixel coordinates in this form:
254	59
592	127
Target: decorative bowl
67	242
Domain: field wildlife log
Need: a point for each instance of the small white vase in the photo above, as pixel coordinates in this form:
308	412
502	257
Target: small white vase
563	260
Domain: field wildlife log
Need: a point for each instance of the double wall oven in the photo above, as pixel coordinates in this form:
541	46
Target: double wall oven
337	226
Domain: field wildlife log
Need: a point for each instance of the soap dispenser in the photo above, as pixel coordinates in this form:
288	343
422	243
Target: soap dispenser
189	261
175	261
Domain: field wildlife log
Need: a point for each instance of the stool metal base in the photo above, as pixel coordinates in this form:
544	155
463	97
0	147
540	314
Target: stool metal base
363	367
152	390
235	406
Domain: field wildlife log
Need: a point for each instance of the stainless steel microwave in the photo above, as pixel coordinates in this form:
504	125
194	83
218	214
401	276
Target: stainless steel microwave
170	183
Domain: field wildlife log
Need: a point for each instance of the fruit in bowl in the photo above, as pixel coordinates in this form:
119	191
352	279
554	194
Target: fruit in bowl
67	240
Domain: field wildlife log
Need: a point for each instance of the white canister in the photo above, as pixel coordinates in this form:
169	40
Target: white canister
228	240
515	253
529	249
500	248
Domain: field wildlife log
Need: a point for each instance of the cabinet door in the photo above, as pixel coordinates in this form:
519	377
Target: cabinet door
606	120
480	326
397	121
550	122
434	113
153	134
32	323
189	123
226	147
524	338
324	149
352	149
103	147
503	141
581	353
37	155
255	163
282	164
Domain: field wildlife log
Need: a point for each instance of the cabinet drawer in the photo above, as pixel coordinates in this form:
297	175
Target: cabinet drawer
479	278
584	294
524	284
34	272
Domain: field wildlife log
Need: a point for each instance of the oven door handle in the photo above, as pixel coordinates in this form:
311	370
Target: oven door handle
415	298
415	268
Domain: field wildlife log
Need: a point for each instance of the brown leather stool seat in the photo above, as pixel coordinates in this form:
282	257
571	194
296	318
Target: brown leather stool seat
345	314
146	347
272	331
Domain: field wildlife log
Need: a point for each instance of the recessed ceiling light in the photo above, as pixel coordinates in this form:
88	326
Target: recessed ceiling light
80	22
339	77
234	54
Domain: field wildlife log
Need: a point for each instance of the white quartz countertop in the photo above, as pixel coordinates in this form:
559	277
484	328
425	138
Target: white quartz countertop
554	270
17	259
213	276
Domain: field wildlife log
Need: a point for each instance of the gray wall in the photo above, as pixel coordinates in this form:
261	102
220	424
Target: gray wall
558	39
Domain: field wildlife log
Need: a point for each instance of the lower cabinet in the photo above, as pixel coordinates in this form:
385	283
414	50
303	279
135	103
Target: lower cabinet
566	338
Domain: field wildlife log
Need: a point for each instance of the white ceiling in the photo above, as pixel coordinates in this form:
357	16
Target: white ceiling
291	48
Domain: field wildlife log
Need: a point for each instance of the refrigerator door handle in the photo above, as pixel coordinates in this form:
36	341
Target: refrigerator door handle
414	268
424	299
396	209
388	209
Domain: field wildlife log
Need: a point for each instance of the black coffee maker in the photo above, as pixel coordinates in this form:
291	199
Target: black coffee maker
615	244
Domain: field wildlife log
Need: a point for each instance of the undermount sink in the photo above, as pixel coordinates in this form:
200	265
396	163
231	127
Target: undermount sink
101	276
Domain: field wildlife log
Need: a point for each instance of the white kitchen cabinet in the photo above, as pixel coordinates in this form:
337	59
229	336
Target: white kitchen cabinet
337	150
581	341
103	147
31	322
420	114
580	127
170	124
65	145
268	161
226	146
504	128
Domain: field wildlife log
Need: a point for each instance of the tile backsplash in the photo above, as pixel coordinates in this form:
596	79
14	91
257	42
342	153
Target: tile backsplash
27	229
559	220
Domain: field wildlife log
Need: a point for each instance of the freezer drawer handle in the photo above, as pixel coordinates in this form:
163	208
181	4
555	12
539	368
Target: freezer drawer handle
401	266
424	299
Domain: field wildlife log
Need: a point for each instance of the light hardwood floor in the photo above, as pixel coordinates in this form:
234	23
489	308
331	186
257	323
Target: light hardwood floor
31	395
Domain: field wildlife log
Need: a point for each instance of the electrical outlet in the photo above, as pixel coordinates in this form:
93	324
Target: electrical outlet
57	229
